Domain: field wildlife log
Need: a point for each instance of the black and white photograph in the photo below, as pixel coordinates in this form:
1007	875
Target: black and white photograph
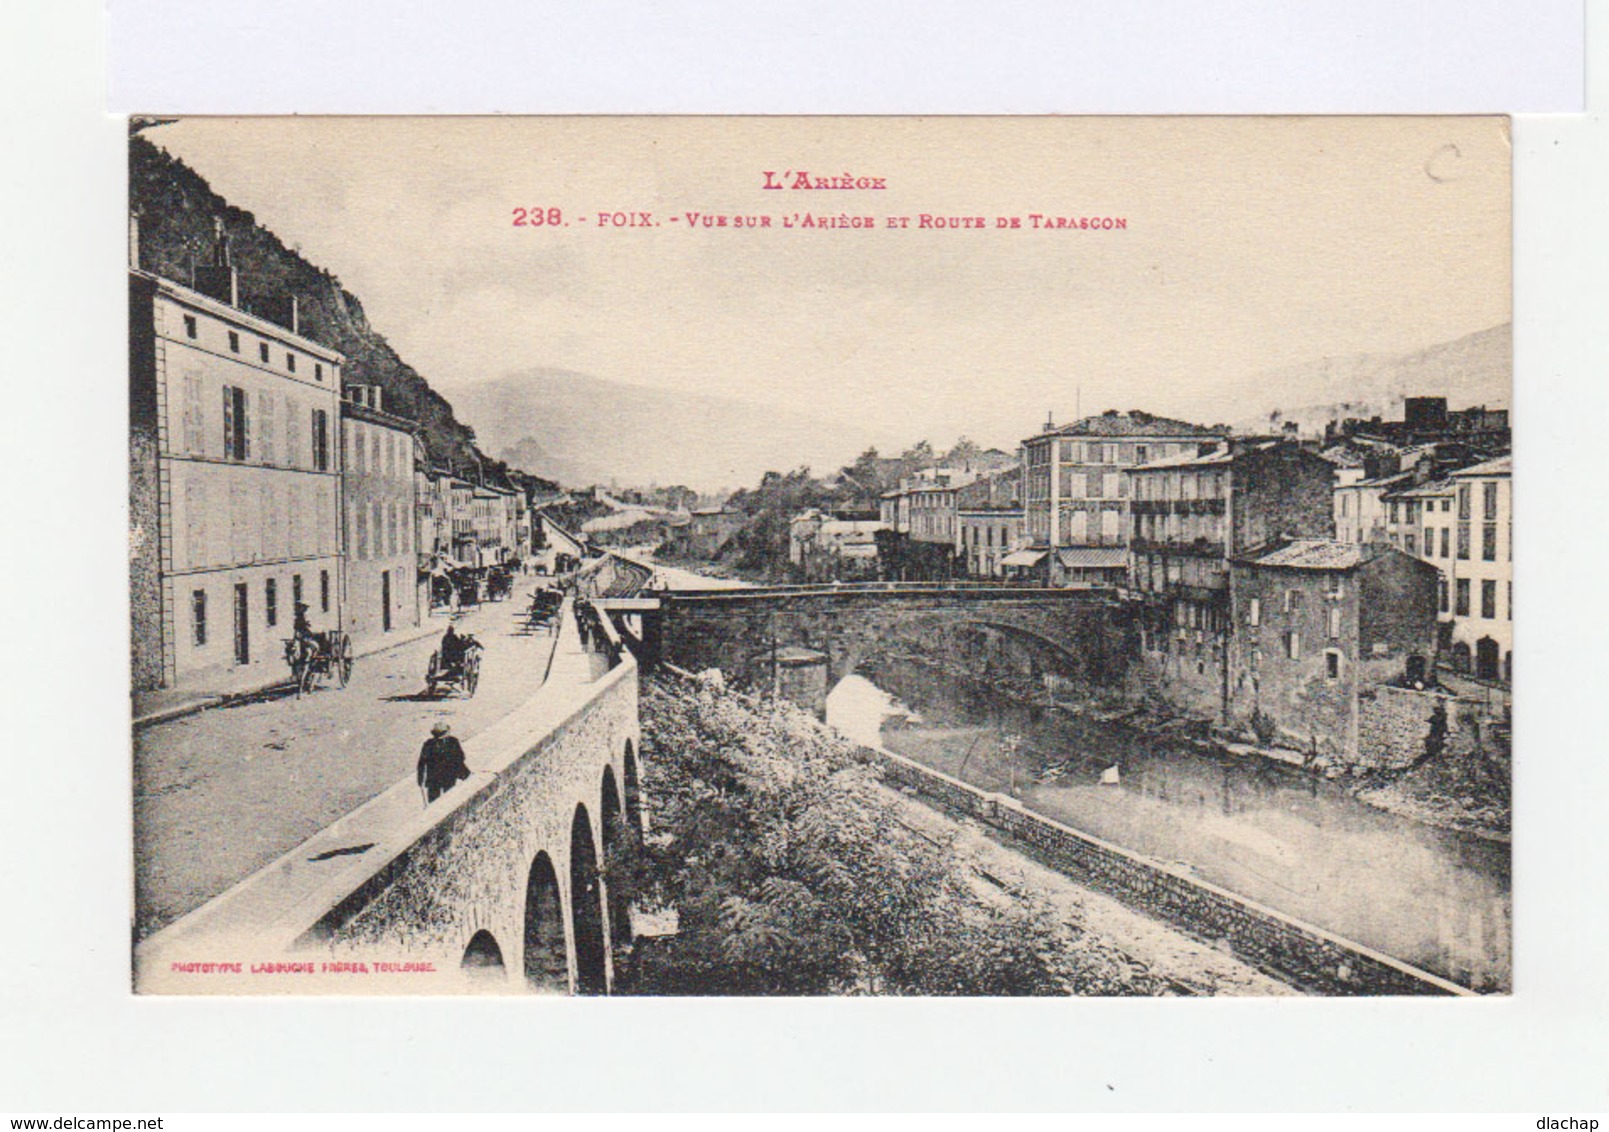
821	556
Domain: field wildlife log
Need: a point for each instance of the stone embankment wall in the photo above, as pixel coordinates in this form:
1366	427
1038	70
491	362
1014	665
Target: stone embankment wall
1310	958
1393	724
468	872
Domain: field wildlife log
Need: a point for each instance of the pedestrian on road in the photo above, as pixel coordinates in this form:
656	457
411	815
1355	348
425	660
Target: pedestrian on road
441	763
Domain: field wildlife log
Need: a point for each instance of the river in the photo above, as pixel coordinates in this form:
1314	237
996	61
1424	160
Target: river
1437	899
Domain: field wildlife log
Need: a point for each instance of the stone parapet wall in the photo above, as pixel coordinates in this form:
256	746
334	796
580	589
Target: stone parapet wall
468	872
1307	956
1393	724
395	883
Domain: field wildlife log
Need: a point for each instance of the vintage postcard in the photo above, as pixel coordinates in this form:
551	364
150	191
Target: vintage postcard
843	556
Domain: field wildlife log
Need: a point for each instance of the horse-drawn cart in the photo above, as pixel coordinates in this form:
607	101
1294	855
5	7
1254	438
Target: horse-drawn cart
544	611
316	657
461	673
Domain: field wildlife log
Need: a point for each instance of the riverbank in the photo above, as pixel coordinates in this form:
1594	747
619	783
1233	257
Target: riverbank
1268	829
1438	795
794	869
1448	793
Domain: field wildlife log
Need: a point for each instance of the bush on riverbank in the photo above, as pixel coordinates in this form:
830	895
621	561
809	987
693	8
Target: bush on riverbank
791	873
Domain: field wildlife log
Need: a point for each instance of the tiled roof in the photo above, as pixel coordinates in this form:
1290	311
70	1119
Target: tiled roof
1501	466
1428	488
1385	481
1135	422
1218	456
1084	557
1318	554
1343	457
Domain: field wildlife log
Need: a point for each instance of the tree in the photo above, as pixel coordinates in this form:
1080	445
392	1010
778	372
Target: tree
791	872
965	451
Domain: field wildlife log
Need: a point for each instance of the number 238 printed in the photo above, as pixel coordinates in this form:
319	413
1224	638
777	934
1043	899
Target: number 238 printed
538	217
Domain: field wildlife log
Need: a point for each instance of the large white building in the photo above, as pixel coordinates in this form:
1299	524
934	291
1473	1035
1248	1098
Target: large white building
380	452
235	482
1075	495
1483	570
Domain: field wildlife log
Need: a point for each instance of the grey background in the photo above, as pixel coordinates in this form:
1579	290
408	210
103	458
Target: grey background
75	1040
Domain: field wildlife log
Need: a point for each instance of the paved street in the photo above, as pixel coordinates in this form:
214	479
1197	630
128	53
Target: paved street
677	578
220	794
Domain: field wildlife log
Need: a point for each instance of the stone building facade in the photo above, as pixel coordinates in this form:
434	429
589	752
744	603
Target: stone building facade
1317	626
1190	516
380	453
235	478
1075	493
989	522
1483	571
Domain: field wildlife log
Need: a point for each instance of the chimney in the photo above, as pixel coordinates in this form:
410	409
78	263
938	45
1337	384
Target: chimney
217	279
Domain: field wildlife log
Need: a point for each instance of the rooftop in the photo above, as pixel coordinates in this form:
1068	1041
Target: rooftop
362	412
1135	422
1428	488
1343	456
1217	457
1391	480
1501	466
1317	554
257	324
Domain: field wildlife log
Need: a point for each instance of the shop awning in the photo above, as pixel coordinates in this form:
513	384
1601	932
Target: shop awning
1024	558
1092	557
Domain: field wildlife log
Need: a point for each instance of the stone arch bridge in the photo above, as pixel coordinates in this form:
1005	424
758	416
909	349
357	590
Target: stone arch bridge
750	633
501	885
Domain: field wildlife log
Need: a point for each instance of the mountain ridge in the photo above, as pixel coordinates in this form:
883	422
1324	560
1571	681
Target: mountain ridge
1473	369
585	429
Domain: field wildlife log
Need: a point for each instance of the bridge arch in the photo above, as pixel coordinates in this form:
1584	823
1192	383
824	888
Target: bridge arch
617	853
586	908
482	963
546	957
633	777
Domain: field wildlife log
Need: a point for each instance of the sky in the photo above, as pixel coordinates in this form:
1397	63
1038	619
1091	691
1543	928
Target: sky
1249	244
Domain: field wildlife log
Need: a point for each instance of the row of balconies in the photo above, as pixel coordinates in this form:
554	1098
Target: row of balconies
1199	547
1176	506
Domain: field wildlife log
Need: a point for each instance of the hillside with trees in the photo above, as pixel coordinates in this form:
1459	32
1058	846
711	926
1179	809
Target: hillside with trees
791	870
760	548
177	211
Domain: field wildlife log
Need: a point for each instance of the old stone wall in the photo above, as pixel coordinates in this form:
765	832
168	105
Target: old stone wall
1393	724
1283	491
1309	957
146	631
468	873
737	633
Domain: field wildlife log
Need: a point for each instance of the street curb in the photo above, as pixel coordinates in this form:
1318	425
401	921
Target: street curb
224	699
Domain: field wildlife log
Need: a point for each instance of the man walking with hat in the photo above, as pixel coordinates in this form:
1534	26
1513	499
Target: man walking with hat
441	763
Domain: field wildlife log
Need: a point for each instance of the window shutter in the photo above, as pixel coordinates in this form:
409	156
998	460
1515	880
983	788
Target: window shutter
243	423
293	458
228	422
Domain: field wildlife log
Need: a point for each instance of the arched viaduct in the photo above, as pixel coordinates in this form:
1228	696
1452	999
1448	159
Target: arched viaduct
739	631
501	885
